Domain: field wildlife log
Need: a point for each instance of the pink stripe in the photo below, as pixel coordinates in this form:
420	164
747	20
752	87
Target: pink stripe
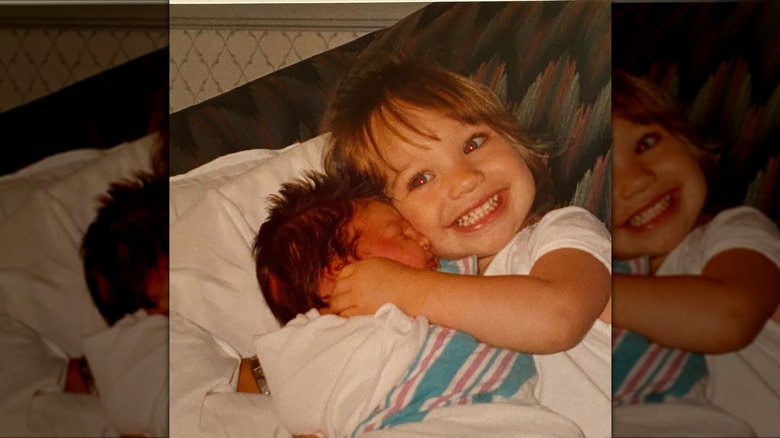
499	372
475	365
647	361
425	364
672	370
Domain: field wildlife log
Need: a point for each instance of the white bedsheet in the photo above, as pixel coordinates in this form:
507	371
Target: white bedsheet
677	420
747	382
203	373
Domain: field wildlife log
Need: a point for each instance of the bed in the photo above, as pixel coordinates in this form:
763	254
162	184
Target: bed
68	147
549	61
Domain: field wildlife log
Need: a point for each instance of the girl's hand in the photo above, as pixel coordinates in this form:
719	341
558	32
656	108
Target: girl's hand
364	286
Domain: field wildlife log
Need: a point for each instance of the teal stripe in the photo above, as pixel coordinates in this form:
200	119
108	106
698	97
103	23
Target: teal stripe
651	379
481	377
436	379
522	369
694	370
430	338
625	357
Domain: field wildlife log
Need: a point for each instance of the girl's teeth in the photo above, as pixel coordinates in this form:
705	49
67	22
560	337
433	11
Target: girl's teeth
651	213
478	213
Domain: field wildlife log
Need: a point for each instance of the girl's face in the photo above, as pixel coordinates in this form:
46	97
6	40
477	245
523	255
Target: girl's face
465	187
658	190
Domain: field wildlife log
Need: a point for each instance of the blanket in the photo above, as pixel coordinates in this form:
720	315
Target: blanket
337	375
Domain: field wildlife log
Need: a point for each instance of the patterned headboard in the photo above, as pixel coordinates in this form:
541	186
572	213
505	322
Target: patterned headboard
120	104
721	62
549	61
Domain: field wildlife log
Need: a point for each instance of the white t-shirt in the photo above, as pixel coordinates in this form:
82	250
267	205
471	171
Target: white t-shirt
575	383
741	227
745	382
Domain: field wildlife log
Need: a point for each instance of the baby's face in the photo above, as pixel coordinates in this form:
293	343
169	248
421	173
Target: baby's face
385	233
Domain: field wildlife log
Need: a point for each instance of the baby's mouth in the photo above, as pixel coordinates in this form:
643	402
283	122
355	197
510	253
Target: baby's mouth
649	214
478	213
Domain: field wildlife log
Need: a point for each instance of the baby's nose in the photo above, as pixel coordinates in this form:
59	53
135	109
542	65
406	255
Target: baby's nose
412	234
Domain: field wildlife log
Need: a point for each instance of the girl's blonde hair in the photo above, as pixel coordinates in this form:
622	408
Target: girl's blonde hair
381	97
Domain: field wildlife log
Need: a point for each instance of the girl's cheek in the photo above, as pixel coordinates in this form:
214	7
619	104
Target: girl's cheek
413	213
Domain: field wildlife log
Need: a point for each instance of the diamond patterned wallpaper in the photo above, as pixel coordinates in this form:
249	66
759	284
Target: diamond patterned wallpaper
209	62
36	61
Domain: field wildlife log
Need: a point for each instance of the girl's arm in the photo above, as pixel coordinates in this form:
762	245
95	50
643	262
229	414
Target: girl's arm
719	311
547	311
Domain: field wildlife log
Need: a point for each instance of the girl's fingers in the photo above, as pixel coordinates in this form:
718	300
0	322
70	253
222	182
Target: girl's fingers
338	303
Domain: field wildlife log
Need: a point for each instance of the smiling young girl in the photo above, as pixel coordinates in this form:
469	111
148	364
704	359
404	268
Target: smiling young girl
712	281
457	166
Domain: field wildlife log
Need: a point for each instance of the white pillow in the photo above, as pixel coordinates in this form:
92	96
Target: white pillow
18	187
188	189
42	283
212	271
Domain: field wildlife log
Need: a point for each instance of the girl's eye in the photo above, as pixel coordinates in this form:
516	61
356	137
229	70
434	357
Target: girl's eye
420	179
646	142
473	144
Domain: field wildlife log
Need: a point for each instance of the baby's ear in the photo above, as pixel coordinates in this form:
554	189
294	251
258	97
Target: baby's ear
328	278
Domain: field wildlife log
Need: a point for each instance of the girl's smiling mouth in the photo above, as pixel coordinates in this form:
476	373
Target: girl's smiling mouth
653	214
479	215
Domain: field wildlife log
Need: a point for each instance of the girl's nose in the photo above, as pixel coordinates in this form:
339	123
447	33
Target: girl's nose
464	179
631	178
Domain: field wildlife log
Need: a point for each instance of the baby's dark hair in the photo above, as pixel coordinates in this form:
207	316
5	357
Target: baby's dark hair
306	230
124	244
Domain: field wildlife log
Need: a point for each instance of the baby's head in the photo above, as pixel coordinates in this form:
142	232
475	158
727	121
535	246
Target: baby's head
661	170
401	119
125	249
318	225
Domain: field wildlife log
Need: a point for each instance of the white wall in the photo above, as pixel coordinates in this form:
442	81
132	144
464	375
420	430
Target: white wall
46	48
215	48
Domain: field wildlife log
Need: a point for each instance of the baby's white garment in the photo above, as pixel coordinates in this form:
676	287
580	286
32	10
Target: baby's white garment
327	373
575	383
129	362
391	373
